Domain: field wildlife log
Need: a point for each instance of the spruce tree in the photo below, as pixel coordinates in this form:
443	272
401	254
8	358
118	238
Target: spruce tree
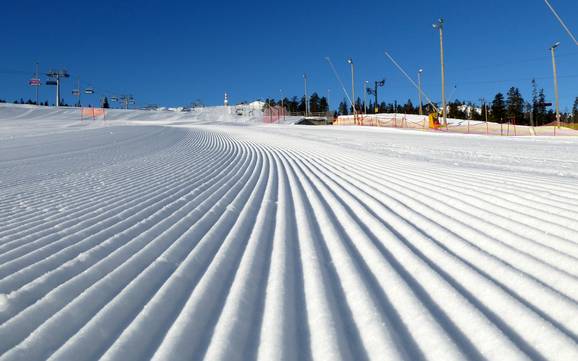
408	108
343	108
515	105
498	108
575	110
323	105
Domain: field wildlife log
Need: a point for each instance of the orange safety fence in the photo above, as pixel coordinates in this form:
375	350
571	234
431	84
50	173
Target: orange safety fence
92	113
480	127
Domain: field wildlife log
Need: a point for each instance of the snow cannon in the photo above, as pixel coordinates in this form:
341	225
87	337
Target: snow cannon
434	121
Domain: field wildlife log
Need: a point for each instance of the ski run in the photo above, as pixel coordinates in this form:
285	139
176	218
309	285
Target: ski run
205	235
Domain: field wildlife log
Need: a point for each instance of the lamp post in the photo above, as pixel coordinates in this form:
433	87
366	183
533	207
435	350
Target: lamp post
365	97
440	26
350	62
306	100
555	69
419	72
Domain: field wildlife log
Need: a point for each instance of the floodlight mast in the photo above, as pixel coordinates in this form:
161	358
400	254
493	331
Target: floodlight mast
555	70
419	72
365	96
350	62
440	26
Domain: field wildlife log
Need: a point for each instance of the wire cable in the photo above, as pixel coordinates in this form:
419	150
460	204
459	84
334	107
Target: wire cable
561	22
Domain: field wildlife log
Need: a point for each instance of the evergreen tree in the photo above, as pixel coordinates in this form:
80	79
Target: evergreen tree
293	105
105	103
540	110
301	107
343	108
359	105
498	108
323	105
314	103
535	102
408	108
515	105
575	111
473	112
453	110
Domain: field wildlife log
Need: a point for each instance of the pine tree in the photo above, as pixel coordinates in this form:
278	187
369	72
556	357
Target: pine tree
301	107
473	112
498	108
535	101
453	110
343	108
575	111
105	104
515	105
540	109
323	105
408	108
314	103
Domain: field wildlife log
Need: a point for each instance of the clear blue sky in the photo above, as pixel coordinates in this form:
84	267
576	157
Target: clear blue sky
173	52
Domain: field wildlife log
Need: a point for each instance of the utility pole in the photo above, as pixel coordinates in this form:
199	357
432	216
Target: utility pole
555	69
419	72
306	98
55	76
440	26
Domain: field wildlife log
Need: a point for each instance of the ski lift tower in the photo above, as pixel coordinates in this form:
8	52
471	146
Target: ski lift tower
54	77
126	100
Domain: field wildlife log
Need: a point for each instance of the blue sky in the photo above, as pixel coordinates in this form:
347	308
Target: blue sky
173	52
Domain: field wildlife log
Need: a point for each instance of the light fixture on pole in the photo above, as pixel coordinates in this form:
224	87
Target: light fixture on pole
350	62
365	97
419	72
440	26
306	100
555	69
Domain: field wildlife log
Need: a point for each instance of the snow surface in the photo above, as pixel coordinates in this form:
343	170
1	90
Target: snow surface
202	235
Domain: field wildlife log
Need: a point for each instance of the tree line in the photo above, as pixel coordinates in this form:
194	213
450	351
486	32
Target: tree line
295	104
503	108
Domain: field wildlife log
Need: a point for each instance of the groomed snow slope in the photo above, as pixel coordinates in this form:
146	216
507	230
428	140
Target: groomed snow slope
122	240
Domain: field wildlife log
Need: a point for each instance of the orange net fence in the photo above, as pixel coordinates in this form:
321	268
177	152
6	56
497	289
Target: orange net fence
92	113
428	123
